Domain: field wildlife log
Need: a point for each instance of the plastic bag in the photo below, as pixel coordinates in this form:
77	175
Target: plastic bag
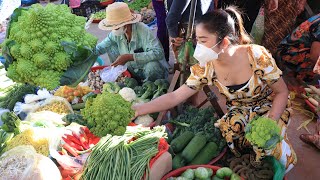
51	119
257	30
28	165
181	55
278	168
111	73
41	94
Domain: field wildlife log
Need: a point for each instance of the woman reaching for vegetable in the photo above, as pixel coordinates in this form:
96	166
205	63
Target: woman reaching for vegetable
246	75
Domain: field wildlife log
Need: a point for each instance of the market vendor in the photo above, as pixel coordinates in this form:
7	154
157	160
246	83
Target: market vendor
300	50
132	43
246	75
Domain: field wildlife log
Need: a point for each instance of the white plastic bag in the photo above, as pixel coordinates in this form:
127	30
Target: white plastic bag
111	73
22	162
41	94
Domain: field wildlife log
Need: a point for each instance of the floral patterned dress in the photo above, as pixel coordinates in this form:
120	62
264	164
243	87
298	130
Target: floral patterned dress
254	98
294	50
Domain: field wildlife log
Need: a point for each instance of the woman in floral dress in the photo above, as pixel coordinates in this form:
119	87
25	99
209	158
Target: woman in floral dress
246	75
300	50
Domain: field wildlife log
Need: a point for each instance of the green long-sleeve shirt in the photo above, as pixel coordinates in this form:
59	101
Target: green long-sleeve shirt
142	38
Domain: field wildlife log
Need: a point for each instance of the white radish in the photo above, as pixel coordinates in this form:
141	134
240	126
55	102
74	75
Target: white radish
314	89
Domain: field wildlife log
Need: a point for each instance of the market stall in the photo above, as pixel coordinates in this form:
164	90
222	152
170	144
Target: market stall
65	119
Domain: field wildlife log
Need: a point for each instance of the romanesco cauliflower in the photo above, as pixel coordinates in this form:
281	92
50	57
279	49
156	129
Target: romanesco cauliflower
108	113
263	132
39	57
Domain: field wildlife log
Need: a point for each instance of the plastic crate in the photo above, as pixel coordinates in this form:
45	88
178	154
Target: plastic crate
87	8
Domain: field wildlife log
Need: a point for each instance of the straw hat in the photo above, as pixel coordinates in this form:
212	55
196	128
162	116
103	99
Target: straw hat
118	14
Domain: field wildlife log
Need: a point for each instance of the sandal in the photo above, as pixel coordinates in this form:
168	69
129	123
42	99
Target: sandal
311	139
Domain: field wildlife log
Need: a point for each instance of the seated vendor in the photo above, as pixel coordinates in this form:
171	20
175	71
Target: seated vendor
300	50
132	43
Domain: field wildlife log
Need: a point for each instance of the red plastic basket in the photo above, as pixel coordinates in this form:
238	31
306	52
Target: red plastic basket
125	74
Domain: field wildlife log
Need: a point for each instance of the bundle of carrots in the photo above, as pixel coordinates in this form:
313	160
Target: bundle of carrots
75	144
313	96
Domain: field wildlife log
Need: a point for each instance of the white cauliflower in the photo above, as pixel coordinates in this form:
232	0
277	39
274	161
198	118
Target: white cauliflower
128	94
145	120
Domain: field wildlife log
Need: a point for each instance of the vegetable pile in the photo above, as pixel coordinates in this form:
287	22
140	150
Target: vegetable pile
39	56
73	94
15	94
151	90
203	173
313	96
138	4
99	15
124	157
263	132
75	143
245	169
11	122
108	113
29	137
190	149
198	120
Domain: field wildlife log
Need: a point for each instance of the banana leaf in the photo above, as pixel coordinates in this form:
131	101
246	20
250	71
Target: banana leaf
83	59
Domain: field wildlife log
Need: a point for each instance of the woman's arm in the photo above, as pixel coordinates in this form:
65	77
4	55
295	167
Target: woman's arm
315	51
165	102
280	99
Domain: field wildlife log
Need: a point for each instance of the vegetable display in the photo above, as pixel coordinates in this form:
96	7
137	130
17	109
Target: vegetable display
263	132
28	137
137	5
15	94
124	157
4	138
11	122
202	173
313	96
198	120
43	42
73	95
76	143
99	15
108	113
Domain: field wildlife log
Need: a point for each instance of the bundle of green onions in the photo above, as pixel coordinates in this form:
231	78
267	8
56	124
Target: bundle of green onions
124	157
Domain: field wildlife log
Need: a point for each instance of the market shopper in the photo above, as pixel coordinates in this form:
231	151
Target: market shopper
132	43
246	75
300	50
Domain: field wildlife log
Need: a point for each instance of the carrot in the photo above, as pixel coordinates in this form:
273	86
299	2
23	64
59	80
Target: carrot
314	89
73	139
70	149
309	90
311	100
76	146
83	141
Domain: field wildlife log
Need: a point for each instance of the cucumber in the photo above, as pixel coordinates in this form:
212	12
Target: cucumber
78	106
206	154
194	147
178	162
181	141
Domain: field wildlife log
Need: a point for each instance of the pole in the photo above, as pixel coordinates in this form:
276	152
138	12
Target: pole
188	38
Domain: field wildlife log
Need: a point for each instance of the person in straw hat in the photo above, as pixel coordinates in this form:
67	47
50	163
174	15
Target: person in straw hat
132	43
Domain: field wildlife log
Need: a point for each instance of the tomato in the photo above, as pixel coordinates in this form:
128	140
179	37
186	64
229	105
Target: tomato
76	93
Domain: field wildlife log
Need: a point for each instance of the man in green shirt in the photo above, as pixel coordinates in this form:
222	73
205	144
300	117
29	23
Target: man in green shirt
132	43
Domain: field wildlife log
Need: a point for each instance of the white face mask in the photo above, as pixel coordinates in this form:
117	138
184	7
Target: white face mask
204	54
120	31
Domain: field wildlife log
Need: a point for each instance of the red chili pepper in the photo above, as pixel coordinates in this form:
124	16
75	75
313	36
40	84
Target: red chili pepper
64	152
95	140
76	146
131	124
70	149
73	139
85	129
74	134
83	141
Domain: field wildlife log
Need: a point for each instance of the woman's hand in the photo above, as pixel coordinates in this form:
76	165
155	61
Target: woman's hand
122	59
272	5
176	41
136	111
